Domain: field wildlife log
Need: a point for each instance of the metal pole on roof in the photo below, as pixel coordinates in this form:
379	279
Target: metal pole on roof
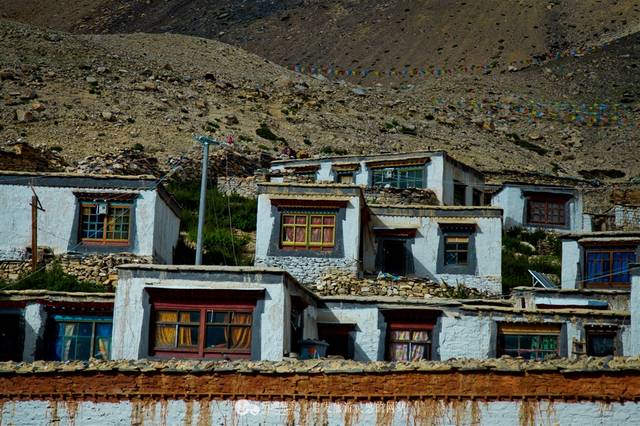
205	141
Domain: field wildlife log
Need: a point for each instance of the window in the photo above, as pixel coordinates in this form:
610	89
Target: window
394	256
608	266
338	336
459	194
547	209
202	332
79	337
601	342
11	336
398	177
345	177
456	250
478	197
410	343
102	222
310	231
534	342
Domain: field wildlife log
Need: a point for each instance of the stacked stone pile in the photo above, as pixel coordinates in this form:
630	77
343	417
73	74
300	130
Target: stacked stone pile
123	162
329	366
100	269
338	283
392	196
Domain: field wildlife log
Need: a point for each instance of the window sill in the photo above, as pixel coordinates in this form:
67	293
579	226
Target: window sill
104	243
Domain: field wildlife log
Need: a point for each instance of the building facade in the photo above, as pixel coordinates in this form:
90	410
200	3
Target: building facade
87	215
311	229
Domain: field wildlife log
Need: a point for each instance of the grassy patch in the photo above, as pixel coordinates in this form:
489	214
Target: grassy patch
523	250
53	278
224	214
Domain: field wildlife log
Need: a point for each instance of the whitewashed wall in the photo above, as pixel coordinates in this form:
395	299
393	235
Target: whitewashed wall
132	311
512	201
276	413
571	256
58	224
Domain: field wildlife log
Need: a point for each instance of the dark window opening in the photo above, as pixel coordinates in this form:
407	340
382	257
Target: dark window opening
478	197
79	337
601	343
608	266
394	257
338	336
346	178
459	194
547	209
11	337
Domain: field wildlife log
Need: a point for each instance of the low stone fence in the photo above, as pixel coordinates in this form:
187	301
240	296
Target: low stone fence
244	186
501	391
95	268
339	283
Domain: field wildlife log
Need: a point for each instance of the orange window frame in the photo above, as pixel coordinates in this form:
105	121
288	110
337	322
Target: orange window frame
108	222
305	223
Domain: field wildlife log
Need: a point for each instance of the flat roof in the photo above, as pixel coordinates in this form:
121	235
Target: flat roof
585	291
341	159
601	235
74	175
203	268
430	210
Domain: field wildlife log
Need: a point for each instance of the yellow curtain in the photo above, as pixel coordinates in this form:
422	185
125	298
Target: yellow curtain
241	336
166	335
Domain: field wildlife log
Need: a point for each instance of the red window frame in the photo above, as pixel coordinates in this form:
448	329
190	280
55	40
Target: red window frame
550	204
200	351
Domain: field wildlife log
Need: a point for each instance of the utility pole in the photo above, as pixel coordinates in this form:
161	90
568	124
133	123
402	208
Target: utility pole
35	206
205	141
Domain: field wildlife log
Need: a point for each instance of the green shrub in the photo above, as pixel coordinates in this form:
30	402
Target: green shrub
223	213
53	278
265	132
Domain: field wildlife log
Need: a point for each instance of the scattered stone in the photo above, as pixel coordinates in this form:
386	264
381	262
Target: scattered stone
92	81
23	116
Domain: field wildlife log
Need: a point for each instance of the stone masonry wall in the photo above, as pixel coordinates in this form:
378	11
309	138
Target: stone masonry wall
308	270
244	186
496	392
95	268
483	283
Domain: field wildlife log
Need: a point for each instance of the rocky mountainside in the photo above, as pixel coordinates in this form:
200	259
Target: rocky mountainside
88	95
373	34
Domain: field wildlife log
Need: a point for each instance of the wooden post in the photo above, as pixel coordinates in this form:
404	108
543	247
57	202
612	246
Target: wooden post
34	233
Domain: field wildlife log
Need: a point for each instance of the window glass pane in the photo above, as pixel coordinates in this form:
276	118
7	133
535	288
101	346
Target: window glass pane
399	352
400	335
189	317
327	235
620	270
102	342
82	348
301	220
598	267
288	219
301	234
418	352
450	258
316	220
288	234
218	317
165	336
316	235
462	257
216	337
242	317
240	337
187	336
167	316
329	220
601	345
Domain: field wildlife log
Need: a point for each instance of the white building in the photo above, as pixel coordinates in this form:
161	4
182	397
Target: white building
165	311
453	182
310	229
87	214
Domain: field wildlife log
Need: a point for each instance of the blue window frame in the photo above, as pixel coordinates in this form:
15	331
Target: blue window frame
74	337
608	266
